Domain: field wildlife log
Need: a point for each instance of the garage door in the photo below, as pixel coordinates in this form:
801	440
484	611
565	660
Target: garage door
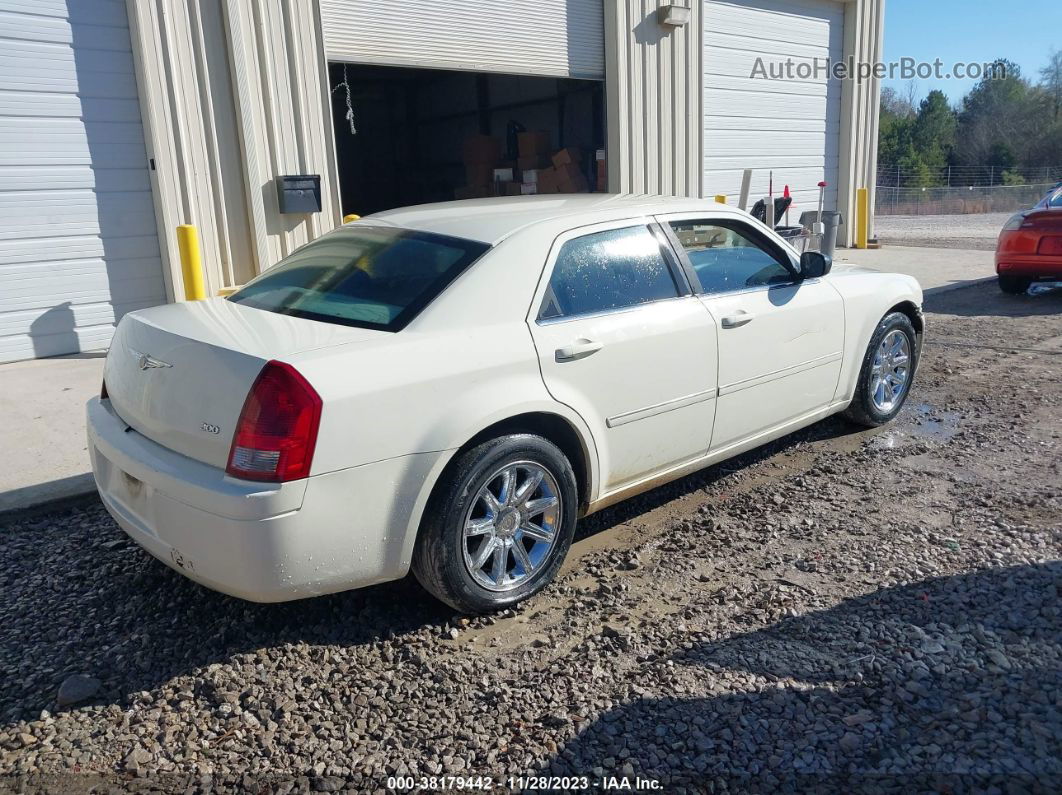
790	126
78	245
563	38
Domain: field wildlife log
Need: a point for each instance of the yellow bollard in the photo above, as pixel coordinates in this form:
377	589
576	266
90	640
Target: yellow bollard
862	217
720	199
352	217
191	263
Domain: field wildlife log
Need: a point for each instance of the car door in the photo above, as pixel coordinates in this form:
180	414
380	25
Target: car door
780	337
622	340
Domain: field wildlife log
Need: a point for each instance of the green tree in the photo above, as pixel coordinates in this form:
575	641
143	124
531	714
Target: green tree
933	133
996	118
1051	80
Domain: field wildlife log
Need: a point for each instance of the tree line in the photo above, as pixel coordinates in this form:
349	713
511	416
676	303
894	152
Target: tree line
1004	129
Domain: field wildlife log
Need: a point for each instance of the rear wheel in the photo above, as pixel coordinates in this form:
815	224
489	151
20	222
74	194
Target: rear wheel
499	525
1015	285
887	372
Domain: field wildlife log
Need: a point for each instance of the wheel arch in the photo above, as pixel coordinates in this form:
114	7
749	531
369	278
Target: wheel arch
567	433
914	314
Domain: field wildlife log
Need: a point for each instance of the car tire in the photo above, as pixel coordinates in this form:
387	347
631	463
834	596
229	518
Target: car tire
460	525
876	400
1014	285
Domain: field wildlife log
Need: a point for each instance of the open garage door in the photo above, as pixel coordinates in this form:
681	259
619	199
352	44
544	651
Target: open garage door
788	126
403	136
559	38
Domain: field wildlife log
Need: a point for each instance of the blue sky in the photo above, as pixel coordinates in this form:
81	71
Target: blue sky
1023	31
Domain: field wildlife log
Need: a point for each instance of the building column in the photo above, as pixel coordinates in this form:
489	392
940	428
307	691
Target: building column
864	22
233	93
653	98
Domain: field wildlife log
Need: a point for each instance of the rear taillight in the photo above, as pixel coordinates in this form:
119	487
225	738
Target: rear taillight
277	431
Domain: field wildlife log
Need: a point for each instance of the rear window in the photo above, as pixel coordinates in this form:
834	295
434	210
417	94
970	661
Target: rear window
368	276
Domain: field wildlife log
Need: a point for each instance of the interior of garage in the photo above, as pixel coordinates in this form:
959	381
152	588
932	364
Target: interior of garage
403	135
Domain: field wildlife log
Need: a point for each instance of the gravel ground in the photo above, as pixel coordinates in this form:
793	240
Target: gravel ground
941	231
842	610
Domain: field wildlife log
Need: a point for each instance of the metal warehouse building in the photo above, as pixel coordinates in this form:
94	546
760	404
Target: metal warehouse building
120	120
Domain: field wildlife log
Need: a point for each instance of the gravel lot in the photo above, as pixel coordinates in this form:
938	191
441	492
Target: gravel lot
941	231
840	610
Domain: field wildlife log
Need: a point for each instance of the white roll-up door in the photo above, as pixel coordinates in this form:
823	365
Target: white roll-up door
789	126
78	244
563	38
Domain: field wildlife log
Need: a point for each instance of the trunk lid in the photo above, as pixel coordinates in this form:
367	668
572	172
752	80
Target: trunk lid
179	374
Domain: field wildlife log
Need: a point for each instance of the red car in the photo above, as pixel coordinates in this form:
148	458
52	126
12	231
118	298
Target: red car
1030	246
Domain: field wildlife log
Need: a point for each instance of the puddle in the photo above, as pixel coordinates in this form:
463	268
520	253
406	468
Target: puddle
928	423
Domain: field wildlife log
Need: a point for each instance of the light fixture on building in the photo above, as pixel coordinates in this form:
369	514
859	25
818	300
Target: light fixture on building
673	15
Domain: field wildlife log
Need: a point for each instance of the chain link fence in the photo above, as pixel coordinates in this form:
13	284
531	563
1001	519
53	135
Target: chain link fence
957	201
894	176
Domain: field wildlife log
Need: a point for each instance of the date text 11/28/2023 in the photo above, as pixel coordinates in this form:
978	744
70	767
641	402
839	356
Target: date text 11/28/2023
470	783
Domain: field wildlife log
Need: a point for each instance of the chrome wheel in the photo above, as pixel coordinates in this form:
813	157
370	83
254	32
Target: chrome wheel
511	526
891	371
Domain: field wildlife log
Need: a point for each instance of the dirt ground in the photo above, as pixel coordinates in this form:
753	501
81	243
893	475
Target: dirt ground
840	610
978	232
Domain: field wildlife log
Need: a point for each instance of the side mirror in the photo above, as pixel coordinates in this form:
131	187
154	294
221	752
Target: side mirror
814	264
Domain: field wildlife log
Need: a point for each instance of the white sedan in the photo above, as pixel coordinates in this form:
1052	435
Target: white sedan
449	387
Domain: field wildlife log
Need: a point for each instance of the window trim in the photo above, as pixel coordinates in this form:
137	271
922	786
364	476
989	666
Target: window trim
667	254
741	227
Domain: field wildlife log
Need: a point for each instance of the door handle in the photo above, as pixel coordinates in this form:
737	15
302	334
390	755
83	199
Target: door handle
579	349
739	319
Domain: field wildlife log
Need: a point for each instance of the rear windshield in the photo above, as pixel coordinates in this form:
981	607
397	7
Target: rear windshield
369	276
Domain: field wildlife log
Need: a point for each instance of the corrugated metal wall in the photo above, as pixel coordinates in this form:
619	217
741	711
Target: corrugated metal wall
864	24
234	93
78	247
560	38
653	99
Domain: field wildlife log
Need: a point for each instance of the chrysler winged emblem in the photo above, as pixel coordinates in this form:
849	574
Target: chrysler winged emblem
146	361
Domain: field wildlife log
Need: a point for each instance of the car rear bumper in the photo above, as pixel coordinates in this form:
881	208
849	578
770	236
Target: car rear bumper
262	542
1033	266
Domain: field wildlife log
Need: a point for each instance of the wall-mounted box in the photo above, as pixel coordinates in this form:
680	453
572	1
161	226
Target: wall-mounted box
299	193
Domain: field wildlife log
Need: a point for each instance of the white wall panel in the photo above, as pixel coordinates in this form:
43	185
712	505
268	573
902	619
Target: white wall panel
78	242
790	127
542	37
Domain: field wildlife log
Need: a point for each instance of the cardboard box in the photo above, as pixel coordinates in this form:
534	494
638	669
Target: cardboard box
530	175
547	180
568	172
533	143
568	155
481	149
479	173
575	185
503	175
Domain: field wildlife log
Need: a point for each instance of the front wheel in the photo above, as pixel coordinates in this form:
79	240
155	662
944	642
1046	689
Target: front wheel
499	525
1014	285
887	371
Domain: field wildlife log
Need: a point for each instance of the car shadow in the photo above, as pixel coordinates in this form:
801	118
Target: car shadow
99	605
944	685
831	428
970	301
